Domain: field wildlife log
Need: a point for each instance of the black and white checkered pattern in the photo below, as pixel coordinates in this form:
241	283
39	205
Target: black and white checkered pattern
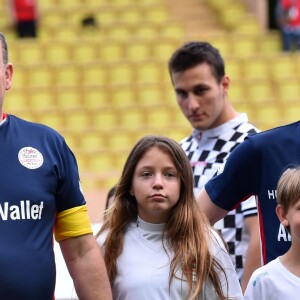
207	151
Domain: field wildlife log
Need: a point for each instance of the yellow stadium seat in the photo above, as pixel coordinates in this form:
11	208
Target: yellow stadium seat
268	115
123	96
94	74
289	90
168	92
145	31
93	141
111	51
96	97
118	31
159	116
101	162
42	99
244	45
138	50
54	119
164	49
270	43
256	67
129	14
77	120
177	133
248	24
104	119
149	94
66	32
40	76
59	52
86	52
72	138
222	43
260	92
121	73
51	16
132	117
292	112
237	91
234	67
171	29
121	139
67	75
69	98
150	71
31	52
20	77
282	66
156	13
17	99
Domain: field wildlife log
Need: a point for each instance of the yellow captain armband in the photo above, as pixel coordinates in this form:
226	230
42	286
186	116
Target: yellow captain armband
72	222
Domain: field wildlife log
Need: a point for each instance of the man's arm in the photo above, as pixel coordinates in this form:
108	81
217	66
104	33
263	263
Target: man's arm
86	266
252	259
213	212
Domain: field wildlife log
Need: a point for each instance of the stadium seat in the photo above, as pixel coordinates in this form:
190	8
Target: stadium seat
40	76
132	116
282	66
121	73
67	75
256	67
96	97
123	96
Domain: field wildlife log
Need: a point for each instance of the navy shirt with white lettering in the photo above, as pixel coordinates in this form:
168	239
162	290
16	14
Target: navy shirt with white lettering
254	168
38	178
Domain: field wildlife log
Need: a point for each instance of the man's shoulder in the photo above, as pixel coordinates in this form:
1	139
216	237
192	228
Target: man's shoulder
32	127
247	127
281	132
187	142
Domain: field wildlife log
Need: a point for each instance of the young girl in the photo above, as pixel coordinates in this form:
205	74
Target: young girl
157	243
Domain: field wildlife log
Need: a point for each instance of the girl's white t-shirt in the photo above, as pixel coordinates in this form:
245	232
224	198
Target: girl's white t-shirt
143	267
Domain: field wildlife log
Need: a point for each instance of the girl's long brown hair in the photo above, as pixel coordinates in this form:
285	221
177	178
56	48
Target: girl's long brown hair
187	230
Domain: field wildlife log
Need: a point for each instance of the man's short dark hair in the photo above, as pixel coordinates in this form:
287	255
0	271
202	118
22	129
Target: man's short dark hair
194	53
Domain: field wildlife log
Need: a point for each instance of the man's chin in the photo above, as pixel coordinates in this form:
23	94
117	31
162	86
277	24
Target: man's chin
200	125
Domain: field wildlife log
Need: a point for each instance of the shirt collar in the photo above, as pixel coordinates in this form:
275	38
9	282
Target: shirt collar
219	130
3	119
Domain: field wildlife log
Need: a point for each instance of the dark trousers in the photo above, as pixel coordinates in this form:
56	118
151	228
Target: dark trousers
26	29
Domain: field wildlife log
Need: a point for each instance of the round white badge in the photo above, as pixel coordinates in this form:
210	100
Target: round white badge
30	158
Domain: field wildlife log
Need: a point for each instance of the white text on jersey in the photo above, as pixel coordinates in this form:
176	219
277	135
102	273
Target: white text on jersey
24	211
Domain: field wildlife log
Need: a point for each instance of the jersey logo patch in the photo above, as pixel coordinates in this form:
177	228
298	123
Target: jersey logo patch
30	158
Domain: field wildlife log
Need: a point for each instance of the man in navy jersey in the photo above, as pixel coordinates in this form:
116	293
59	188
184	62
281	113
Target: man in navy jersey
254	168
198	75
40	193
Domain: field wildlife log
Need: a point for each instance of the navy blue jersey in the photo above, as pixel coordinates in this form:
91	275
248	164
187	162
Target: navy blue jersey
254	168
38	178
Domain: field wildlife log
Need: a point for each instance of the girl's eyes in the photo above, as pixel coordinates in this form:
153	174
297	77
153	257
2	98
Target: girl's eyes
170	174
146	174
166	174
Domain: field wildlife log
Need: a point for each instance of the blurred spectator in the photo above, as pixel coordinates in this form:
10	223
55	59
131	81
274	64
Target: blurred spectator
288	20
24	15
110	196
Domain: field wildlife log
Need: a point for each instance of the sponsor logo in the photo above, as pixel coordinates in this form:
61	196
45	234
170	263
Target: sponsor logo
30	158
24	211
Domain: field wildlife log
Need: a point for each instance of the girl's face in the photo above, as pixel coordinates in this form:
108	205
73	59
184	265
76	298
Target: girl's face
155	185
